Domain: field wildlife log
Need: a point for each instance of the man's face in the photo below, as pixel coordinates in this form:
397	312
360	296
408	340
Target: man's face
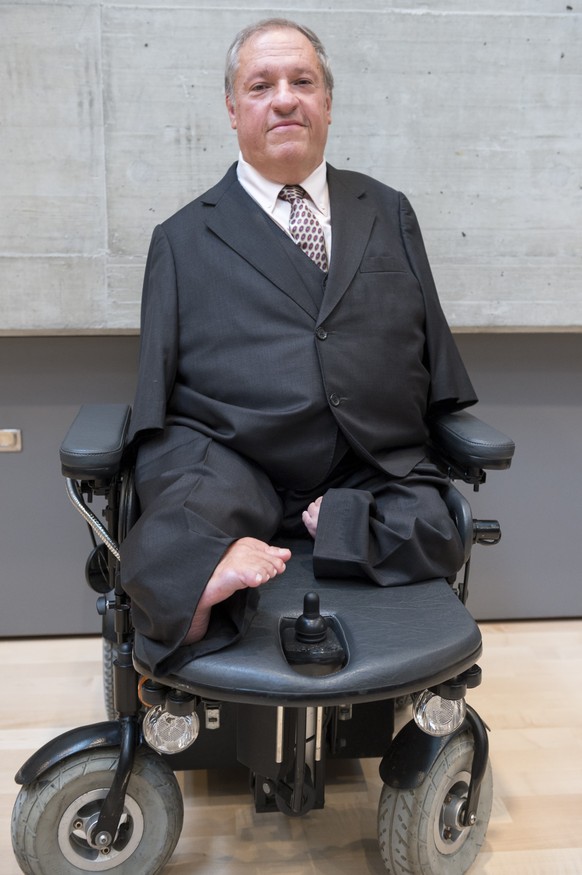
281	109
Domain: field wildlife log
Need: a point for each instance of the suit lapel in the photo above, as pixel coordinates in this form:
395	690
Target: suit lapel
246	229
352	221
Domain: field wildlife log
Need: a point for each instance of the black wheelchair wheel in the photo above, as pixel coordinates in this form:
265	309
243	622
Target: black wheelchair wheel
419	830
53	817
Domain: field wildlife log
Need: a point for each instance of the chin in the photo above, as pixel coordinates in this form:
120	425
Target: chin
293	153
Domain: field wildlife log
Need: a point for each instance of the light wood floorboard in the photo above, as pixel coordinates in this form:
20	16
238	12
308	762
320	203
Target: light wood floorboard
531	698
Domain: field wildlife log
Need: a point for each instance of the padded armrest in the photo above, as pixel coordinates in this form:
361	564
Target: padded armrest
467	441
94	444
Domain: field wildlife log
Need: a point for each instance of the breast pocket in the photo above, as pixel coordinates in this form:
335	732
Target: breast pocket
383	264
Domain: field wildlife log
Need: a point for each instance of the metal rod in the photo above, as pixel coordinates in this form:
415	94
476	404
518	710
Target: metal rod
299	772
75	496
318	734
279	735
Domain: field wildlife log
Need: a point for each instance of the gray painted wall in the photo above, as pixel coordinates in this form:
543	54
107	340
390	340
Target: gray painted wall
529	387
44	543
112	117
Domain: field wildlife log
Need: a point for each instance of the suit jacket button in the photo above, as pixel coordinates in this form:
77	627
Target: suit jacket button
334	399
321	333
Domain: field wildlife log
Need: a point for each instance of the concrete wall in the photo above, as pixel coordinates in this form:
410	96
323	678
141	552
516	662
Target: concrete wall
112	116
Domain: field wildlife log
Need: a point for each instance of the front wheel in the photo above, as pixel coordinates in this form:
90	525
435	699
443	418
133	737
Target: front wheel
420	830
54	816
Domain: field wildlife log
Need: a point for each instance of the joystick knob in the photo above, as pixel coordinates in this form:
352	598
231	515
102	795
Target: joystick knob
310	627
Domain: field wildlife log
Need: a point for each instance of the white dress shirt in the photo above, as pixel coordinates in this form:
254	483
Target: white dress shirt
266	194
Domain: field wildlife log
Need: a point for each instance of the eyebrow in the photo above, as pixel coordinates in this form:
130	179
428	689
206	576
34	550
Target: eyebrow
266	72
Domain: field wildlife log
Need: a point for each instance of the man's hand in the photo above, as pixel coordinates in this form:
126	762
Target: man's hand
248	562
311	516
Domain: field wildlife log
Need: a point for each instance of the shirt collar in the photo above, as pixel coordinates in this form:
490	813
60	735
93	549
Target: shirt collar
266	192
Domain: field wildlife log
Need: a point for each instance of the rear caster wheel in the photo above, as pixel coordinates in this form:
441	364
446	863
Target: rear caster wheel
420	831
53	817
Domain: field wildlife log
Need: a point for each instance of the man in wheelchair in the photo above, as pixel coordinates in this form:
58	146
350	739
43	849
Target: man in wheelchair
275	396
297	421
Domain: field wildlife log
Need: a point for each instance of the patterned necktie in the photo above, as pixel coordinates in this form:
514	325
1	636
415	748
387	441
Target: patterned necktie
303	225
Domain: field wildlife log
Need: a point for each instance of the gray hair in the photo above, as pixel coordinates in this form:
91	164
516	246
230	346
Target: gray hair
232	56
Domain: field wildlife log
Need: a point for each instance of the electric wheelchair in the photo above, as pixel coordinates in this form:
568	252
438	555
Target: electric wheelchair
317	677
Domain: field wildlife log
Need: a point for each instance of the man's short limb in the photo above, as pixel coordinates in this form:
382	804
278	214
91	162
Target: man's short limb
248	562
310	516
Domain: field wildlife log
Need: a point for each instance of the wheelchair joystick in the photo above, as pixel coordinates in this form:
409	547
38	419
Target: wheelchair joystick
313	645
310	627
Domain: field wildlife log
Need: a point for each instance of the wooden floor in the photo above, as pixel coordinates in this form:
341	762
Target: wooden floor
531	698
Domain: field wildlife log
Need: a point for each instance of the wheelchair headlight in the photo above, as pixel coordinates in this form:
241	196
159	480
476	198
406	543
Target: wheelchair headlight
172	727
438	716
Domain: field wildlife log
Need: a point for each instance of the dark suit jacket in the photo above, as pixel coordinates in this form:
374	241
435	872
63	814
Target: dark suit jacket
238	354
234	345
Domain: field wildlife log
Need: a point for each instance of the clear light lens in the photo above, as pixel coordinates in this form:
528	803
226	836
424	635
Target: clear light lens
438	716
167	733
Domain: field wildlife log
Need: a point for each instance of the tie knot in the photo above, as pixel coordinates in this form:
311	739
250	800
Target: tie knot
292	193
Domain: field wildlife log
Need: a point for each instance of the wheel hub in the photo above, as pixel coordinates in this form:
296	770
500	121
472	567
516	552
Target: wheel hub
450	831
78	823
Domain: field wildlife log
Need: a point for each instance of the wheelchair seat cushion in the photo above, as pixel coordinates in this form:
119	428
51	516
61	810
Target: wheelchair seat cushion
399	640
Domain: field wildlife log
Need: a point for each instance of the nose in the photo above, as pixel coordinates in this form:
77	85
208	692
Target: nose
284	98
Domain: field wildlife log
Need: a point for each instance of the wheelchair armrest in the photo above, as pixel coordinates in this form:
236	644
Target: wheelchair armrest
94	444
468	446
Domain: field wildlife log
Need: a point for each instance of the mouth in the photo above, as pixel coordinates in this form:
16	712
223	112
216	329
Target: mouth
288	123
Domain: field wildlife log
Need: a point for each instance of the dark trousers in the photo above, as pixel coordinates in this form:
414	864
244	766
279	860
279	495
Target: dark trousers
198	496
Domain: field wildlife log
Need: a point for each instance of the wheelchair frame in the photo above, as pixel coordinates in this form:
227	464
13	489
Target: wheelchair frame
293	781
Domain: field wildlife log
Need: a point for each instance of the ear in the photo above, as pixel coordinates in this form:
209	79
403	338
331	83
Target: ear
328	107
231	112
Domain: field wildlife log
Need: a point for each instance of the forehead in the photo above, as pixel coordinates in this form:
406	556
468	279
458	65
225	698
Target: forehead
274	49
